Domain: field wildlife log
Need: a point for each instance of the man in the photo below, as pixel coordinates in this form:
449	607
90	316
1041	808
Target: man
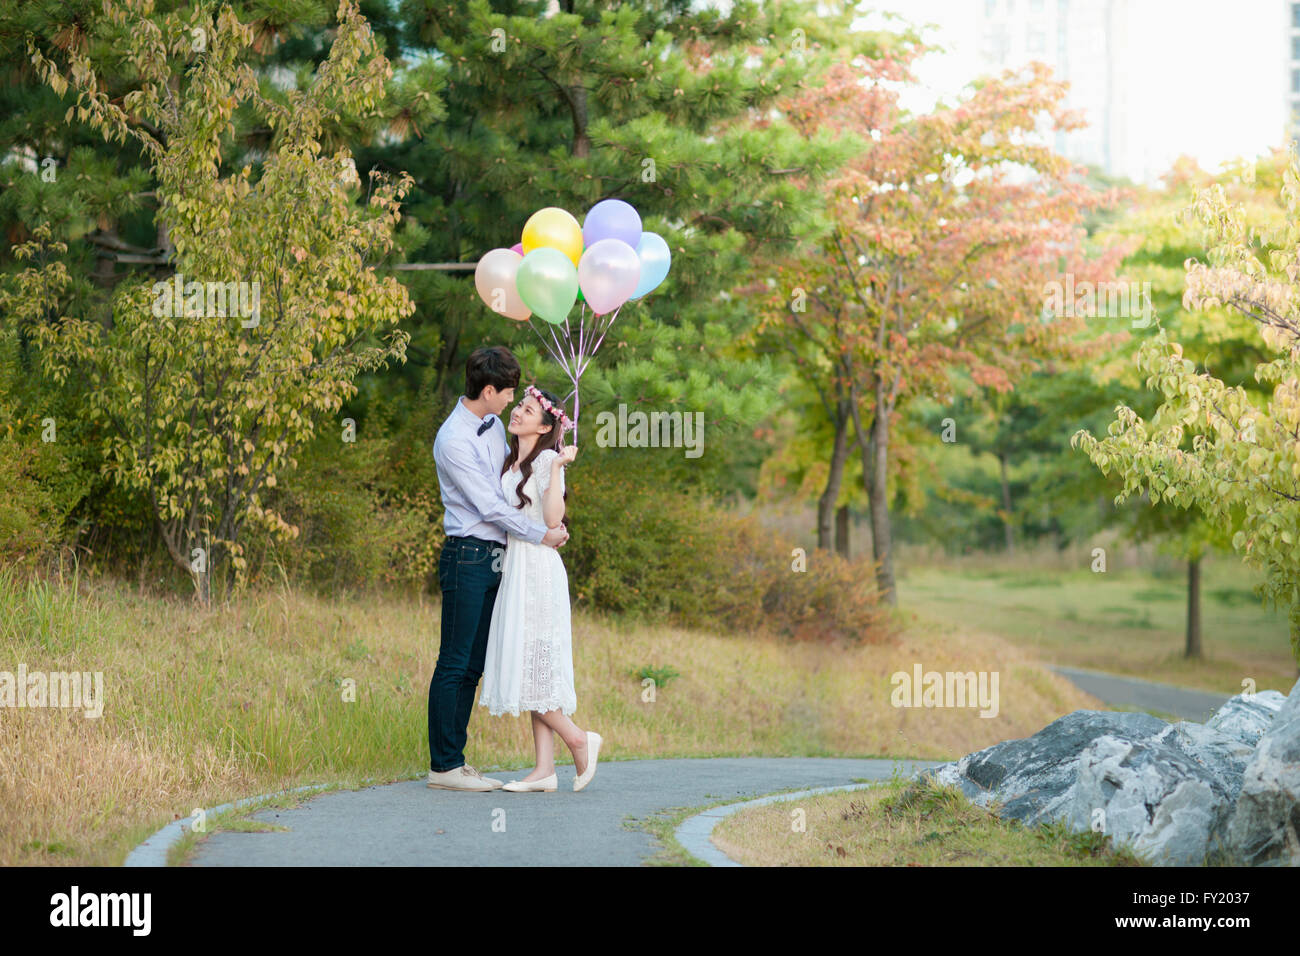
469	452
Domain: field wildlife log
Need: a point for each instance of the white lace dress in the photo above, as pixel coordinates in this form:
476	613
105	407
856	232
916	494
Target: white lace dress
529	663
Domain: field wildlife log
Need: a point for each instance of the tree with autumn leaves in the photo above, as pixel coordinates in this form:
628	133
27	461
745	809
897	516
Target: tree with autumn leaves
1216	447
946	230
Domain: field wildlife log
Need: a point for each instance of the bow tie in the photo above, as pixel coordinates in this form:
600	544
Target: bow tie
486	425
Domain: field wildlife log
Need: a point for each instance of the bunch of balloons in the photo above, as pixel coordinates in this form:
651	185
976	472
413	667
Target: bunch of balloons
605	262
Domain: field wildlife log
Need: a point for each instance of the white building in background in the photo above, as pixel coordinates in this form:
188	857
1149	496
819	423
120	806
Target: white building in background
1155	79
1085	42
1292	13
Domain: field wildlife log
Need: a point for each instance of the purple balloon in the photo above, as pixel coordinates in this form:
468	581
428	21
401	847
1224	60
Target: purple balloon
611	219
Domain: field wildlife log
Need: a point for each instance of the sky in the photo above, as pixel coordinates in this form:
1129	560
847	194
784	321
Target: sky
1207	78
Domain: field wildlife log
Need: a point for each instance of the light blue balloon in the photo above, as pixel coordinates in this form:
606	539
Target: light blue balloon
655	260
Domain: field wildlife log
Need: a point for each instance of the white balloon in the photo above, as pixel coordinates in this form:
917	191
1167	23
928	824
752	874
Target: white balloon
608	274
494	277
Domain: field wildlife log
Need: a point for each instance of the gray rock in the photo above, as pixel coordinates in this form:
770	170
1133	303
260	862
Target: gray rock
1223	756
1173	792
1264	829
1158	799
1031	775
1248	717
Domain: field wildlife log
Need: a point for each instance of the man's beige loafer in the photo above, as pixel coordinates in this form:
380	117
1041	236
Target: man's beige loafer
462	778
594	741
545	785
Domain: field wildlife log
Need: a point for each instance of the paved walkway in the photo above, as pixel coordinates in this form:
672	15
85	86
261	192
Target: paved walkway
1117	691
407	824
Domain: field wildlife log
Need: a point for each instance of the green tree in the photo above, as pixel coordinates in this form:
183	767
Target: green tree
206	404
1163	239
658	104
1211	445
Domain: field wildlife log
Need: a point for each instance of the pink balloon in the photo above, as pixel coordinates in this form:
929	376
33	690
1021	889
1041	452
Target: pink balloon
518	247
494	278
608	273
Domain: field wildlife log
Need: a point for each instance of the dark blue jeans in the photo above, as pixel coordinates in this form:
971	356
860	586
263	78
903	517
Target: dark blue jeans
469	574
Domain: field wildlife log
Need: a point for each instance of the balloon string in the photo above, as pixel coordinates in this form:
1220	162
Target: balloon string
582	331
568	337
563	362
545	344
608	325
576	353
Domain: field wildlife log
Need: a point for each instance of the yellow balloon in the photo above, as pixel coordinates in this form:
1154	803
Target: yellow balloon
556	228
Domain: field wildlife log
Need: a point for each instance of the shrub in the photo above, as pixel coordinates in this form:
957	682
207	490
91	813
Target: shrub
355	527
640	550
27	512
41	488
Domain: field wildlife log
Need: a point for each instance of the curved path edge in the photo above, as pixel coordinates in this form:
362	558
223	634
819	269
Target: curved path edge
695	833
153	851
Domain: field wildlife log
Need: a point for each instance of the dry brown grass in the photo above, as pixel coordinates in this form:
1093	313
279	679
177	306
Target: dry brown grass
202	707
888	826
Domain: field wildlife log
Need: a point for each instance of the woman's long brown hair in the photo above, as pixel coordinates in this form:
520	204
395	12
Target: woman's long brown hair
548	440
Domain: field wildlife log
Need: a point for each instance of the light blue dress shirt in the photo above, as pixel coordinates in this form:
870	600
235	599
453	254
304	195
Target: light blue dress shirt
469	475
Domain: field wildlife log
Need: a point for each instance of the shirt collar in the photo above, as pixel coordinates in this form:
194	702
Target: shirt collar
460	405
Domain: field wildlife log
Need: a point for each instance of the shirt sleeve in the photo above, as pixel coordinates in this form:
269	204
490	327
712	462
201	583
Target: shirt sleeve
459	459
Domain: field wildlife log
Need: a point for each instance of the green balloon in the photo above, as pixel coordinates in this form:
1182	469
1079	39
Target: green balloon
548	283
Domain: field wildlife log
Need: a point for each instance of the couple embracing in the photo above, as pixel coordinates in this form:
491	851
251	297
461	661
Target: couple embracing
505	594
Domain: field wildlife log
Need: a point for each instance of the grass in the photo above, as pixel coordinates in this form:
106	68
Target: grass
1127	620
899	823
203	707
663	827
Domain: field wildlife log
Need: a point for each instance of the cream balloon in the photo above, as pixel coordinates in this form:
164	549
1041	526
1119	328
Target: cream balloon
494	277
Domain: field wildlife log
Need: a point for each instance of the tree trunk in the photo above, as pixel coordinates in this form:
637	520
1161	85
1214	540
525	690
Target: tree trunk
1006	503
203	586
446	369
881	533
1194	608
875	477
163	239
578	102
839	454
842	531
1293	617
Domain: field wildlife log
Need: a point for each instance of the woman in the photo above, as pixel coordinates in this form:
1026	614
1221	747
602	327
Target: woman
529	664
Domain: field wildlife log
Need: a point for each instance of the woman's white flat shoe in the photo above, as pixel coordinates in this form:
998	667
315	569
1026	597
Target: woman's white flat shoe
593	752
545	785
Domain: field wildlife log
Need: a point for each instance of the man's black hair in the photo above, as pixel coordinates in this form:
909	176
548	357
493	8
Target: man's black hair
494	365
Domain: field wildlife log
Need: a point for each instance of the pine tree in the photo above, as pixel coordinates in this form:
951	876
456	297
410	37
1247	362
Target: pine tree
653	103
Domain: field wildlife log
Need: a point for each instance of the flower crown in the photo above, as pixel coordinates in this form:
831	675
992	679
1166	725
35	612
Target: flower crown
556	411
